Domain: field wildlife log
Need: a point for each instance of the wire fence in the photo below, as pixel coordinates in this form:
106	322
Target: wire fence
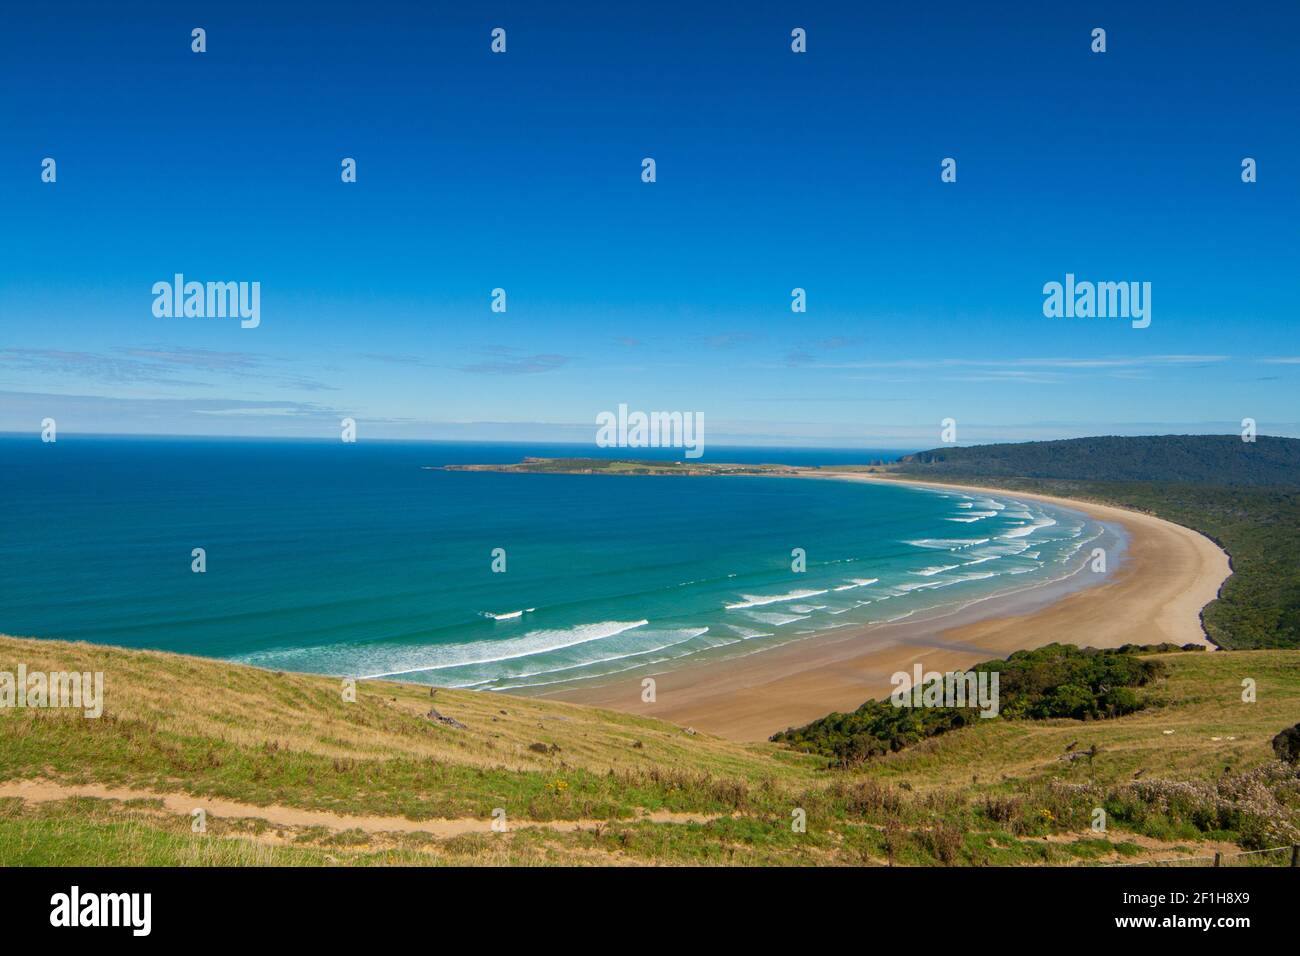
1273	856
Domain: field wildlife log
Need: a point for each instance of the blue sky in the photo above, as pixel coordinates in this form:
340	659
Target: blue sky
775	170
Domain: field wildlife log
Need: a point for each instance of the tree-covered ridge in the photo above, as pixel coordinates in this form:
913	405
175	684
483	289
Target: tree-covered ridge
1058	680
1244	496
1259	605
1212	459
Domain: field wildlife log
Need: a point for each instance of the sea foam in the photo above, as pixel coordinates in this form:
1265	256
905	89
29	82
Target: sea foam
759	600
491	652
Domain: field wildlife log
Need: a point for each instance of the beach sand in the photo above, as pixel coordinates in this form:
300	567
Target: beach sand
1167	575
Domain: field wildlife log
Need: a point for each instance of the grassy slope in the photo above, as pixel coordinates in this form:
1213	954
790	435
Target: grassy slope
176	724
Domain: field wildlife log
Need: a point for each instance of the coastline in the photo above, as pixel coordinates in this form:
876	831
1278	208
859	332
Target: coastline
1168	574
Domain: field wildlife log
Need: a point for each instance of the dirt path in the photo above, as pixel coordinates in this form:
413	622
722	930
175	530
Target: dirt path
46	791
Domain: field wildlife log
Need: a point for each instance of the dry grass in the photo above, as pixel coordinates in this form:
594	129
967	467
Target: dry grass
988	794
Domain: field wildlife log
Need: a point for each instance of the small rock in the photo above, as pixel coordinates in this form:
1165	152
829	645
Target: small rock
690	731
444	719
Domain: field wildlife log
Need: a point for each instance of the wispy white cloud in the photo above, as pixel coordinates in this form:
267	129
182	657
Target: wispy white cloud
511	363
1135	361
878	429
161	365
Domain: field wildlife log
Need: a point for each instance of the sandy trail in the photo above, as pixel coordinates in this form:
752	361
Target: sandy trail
1168	575
46	791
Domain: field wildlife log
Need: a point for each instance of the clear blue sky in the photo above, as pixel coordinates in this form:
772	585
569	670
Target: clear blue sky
775	170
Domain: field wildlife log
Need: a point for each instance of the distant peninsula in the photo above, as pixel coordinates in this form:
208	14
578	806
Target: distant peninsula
606	466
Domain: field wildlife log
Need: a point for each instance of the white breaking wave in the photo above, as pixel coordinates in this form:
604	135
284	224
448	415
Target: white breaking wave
679	636
916	585
776	618
490	652
937	569
857	583
745	633
1026	530
947	544
758	600
508	616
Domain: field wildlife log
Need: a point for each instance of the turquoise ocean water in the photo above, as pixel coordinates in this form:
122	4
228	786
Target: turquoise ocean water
360	560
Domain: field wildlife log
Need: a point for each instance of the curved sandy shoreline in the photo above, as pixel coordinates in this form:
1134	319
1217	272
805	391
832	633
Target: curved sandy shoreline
1169	573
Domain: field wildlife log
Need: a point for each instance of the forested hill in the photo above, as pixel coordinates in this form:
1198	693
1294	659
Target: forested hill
1209	459
1243	495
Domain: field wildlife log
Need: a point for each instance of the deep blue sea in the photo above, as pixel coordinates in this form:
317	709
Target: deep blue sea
357	559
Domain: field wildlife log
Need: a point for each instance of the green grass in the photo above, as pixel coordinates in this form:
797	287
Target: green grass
975	795
1056	680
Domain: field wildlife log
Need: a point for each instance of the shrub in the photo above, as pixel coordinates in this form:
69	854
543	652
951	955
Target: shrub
1058	680
1287	745
943	841
1001	809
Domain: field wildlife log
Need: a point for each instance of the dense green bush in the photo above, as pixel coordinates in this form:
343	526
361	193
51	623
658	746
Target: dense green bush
1287	745
1059	680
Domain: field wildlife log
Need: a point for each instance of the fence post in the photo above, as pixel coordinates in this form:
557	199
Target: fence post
1295	854
1218	859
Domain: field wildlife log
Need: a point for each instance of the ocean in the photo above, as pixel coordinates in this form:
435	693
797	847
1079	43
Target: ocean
362	560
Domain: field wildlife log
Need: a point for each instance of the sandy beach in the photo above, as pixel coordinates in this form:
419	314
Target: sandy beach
1167	575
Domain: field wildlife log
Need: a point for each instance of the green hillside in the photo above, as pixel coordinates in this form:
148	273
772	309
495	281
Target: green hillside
291	773
1210	459
1058	680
